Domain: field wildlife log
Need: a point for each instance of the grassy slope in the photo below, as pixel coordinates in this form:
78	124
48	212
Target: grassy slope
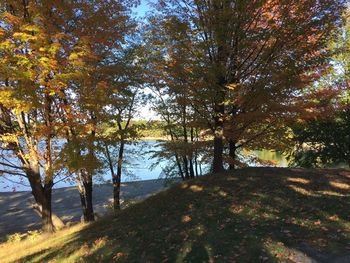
252	215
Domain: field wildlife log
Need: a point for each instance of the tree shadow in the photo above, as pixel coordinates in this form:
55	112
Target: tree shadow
251	215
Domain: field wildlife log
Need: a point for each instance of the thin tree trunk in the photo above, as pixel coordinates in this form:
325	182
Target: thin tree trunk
184	158
191	169
117	178
82	198
218	147
179	166
196	153
232	154
109	159
178	162
196	164
88	197
191	154
185	164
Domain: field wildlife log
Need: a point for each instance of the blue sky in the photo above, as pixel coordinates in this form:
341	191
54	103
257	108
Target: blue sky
146	112
142	8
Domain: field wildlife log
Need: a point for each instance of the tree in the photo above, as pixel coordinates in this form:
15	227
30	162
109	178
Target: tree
52	55
118	128
321	134
32	60
182	129
243	60
104	73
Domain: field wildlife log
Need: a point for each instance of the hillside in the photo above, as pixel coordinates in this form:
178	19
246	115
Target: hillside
251	215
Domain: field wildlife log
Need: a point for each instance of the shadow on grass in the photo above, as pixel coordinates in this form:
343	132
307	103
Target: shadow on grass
251	215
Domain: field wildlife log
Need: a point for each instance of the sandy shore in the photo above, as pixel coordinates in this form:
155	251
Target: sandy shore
16	215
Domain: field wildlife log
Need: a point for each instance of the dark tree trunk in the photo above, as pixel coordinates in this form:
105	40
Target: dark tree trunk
117	178
116	192
191	155
85	192
219	134
185	163
46	213
191	169
83	203
219	61
88	197
184	127
179	166
42	196
218	155
232	154
196	164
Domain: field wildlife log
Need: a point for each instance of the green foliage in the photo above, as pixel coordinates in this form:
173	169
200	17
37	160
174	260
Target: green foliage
152	129
322	134
323	142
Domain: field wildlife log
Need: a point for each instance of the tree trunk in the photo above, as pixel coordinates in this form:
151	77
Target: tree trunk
88	197
232	154
184	158
185	163
191	155
57	222
117	178
179	166
196	164
219	136
42	197
218	152
191	169
85	191
46	214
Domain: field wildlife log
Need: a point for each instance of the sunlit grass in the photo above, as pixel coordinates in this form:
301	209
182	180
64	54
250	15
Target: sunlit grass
12	251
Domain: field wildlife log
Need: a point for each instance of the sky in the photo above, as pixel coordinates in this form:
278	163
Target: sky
142	8
145	112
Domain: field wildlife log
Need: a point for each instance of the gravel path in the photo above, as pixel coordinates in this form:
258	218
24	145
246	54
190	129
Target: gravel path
16	215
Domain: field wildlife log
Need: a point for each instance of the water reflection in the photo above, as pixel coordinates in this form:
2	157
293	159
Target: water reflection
139	165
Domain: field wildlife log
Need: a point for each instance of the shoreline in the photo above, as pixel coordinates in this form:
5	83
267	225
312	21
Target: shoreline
98	185
17	216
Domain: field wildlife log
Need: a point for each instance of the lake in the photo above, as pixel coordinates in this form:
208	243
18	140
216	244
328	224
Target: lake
139	165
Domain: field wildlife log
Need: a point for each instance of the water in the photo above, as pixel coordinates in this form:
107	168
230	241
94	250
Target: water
139	165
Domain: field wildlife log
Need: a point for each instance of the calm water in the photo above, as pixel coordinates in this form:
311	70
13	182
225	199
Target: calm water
139	165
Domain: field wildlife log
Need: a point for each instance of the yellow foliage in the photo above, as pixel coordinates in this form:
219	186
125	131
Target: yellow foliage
24	36
232	86
8	100
9	138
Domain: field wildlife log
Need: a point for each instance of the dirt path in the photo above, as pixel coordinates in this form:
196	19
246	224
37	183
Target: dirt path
16	215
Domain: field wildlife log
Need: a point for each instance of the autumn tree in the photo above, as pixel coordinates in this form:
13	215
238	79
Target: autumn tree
102	55
321	132
33	60
181	126
52	94
124	100
243	60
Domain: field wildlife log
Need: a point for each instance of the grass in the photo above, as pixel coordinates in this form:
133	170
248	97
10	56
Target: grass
251	215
